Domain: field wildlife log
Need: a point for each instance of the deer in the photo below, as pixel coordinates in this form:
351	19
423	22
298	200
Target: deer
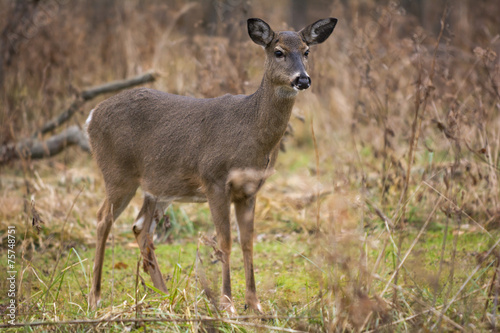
185	149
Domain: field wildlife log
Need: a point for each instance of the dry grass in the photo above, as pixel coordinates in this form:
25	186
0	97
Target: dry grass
384	212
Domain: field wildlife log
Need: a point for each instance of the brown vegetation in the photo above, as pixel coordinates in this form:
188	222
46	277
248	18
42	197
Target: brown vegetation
404	107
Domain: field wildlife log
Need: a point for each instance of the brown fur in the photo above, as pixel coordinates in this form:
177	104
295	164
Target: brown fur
186	149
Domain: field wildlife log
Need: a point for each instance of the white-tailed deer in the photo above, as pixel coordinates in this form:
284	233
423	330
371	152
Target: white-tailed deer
195	150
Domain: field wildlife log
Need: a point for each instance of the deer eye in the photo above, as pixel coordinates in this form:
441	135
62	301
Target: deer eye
278	54
306	54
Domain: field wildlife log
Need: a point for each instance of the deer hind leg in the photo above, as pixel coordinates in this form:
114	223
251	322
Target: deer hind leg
111	208
144	228
245	210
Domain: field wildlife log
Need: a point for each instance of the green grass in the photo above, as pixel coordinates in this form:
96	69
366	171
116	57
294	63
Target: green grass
334	222
340	272
290	276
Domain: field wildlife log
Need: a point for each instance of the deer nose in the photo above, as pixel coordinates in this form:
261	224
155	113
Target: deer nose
302	82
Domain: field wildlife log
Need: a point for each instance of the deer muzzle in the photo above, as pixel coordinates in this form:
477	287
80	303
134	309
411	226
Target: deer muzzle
301	82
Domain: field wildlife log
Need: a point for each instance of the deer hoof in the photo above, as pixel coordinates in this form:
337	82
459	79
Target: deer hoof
252	303
226	304
94	302
255	307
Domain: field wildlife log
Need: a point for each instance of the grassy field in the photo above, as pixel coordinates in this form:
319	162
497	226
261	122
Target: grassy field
383	214
308	280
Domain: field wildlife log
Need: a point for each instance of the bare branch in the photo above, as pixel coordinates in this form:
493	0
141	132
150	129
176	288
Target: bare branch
238	320
62	118
118	85
34	148
89	94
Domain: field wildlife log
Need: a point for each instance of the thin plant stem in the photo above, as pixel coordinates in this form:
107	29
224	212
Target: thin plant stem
318	201
466	282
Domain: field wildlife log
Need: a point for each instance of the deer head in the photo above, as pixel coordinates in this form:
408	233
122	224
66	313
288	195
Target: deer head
288	51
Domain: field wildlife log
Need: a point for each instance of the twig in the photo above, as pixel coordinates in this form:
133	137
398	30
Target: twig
490	289
420	105
61	119
389	282
59	254
267	327
467	281
389	226
318	205
419	301
137	289
380	213
451	276
458	208
233	320
411	246
441	259
377	329
73	265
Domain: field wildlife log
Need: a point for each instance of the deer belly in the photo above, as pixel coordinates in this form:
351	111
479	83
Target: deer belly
192	195
169	199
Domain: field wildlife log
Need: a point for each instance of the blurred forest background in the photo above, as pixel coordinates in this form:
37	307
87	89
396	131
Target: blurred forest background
50	49
389	184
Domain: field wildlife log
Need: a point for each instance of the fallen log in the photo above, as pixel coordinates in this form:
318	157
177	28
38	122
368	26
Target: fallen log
37	149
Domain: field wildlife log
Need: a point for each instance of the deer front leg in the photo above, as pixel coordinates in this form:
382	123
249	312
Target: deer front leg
245	210
144	228
219	202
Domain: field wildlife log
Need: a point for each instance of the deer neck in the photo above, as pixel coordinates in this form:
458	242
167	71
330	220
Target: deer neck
274	107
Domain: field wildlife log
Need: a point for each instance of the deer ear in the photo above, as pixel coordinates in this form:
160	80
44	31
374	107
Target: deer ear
319	31
260	32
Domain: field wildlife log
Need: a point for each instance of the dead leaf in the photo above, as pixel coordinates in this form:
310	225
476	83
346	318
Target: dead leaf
217	254
121	265
36	221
